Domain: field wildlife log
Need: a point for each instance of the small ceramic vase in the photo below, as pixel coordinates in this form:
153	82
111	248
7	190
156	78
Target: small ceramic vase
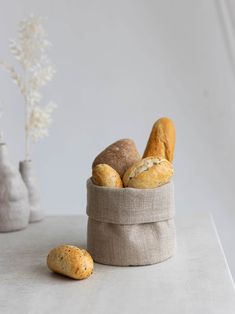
31	183
14	205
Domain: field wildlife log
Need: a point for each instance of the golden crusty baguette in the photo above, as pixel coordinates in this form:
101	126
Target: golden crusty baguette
161	142
104	175
70	261
148	173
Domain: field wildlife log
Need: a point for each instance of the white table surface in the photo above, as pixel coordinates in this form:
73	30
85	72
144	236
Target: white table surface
196	280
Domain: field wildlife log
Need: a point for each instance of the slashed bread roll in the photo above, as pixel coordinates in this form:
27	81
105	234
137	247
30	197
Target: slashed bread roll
148	173
70	261
161	141
104	175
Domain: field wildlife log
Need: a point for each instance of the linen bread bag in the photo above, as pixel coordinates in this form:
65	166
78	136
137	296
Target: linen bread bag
133	225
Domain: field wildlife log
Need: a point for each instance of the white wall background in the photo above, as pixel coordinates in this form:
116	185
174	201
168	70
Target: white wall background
122	65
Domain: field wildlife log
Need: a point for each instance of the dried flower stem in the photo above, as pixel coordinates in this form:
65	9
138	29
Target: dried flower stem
27	144
30	52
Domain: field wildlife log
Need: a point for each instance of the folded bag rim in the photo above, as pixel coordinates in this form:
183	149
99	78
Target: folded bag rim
129	205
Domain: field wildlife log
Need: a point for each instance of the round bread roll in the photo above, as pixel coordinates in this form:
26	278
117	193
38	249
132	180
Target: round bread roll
161	141
70	261
119	155
104	175
148	173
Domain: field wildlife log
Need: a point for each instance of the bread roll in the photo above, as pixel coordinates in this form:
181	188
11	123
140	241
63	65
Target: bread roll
70	261
150	172
119	155
161	142
105	175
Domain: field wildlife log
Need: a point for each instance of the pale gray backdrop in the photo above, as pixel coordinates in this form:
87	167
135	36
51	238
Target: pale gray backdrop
122	65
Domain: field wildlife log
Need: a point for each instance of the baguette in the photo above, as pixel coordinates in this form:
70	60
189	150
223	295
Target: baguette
161	141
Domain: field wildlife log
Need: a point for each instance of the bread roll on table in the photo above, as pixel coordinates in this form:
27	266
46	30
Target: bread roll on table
70	261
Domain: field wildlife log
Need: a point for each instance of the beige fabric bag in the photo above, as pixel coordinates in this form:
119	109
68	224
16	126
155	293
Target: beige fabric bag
130	226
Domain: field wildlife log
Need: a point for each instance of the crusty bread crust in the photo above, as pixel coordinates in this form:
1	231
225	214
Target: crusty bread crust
150	172
104	175
70	261
119	155
162	139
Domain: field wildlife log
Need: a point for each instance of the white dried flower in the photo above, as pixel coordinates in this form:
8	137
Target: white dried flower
32	42
15	77
41	76
33	98
39	120
30	51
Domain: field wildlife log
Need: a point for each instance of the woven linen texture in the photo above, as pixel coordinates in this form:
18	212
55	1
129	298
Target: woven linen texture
130	226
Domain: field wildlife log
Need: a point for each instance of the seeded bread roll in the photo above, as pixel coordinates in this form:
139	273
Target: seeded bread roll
104	175
70	261
161	142
149	173
119	155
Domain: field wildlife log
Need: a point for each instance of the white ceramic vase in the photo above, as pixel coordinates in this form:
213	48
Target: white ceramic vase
30	180
14	206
